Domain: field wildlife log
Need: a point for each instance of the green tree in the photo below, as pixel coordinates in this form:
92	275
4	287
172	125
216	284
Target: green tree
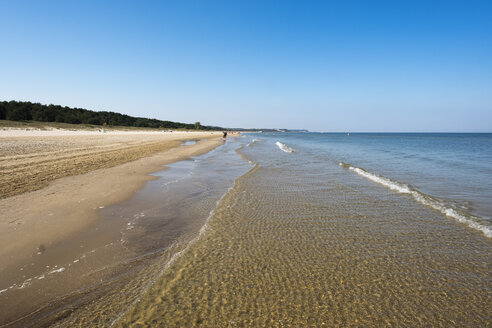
24	111
3	111
20	113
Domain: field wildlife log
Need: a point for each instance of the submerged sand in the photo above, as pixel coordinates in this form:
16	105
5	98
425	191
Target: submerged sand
293	247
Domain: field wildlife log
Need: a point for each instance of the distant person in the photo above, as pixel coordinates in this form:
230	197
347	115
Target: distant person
224	136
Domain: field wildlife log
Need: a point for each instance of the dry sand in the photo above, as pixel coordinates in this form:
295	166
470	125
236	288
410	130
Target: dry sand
29	160
53	182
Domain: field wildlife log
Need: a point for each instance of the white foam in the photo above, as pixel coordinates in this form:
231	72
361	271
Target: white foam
29	281
56	271
283	147
25	283
469	220
139	215
401	188
252	142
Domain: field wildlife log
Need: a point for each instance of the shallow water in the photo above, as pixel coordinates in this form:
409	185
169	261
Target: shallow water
299	243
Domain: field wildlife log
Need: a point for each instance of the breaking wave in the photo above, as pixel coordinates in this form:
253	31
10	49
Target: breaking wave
283	147
252	142
470	220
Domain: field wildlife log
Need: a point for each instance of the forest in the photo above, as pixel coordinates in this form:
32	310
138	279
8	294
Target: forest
28	111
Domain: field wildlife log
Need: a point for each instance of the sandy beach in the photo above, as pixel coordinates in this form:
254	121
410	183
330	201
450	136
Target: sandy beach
30	159
266	230
54	182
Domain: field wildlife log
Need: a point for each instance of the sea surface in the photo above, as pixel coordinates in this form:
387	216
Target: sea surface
368	230
359	230
306	230
449	172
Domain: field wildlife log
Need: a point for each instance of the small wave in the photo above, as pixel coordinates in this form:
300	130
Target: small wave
252	142
50	271
29	281
468	219
283	147
56	270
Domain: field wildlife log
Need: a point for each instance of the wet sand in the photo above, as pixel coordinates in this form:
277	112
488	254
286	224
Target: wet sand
54	184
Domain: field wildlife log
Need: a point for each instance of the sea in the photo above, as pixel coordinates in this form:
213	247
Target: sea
298	230
340	230
449	172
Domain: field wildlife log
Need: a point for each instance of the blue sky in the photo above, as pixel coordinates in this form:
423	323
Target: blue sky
321	65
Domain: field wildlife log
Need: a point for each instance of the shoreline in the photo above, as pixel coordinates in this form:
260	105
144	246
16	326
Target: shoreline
33	221
114	253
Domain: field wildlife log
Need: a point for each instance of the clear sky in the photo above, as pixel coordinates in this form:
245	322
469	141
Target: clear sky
321	65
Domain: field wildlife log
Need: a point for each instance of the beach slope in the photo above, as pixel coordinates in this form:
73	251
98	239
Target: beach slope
54	182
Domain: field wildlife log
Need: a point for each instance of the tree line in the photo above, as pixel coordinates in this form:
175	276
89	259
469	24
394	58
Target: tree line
28	111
